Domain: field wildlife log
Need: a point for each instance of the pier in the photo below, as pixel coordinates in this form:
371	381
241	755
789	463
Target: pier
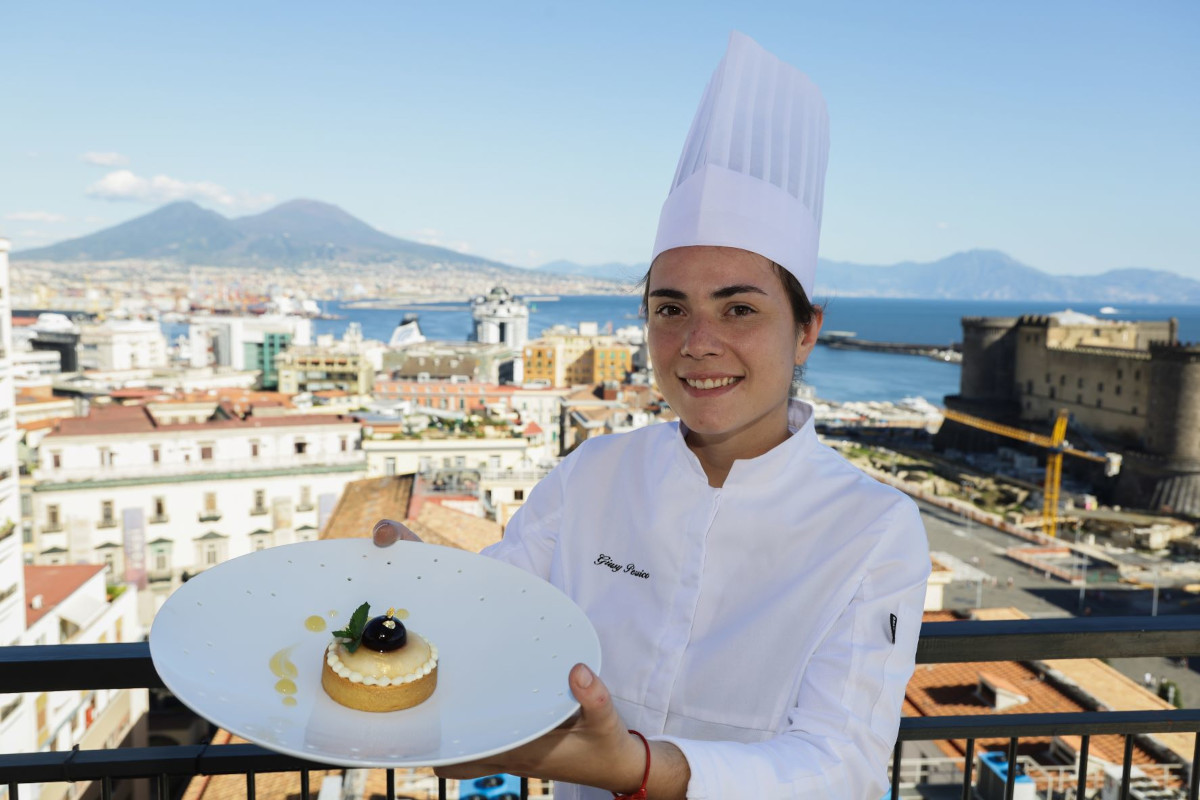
846	340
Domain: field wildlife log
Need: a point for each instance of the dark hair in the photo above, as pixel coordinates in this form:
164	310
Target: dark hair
803	310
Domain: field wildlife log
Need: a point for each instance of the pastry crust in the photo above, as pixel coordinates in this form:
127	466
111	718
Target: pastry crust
376	698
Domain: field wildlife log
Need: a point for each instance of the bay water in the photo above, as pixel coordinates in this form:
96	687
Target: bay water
838	375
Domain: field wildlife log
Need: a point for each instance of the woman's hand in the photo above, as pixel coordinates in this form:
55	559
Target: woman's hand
592	748
388	531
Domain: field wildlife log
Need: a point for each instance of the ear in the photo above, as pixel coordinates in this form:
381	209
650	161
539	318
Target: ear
808	339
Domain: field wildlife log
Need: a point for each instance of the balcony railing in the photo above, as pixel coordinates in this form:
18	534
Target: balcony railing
122	666
74	474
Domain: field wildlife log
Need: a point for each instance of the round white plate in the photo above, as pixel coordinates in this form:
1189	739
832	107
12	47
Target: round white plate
506	641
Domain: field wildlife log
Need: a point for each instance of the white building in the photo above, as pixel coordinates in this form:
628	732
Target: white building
245	343
12	593
70	605
122	345
500	318
153	499
392	456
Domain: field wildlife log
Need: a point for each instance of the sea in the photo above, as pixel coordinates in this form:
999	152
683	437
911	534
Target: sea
836	375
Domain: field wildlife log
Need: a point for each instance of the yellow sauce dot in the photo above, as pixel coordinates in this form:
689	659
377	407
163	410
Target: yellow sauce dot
289	701
315	623
281	664
401	614
285	686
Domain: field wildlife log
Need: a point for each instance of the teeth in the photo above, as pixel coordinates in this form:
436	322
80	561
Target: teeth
709	383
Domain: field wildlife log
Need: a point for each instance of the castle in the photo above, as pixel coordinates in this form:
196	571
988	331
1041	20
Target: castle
1130	386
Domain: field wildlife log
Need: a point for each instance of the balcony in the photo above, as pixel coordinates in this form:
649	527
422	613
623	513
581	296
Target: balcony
81	667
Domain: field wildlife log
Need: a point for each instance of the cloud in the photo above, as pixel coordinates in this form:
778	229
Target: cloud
105	159
124	186
436	238
35	216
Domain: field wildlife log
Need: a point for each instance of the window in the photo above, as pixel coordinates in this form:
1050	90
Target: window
106	513
254	449
554	433
56	460
155	454
260	500
206	452
160	561
1137	374
1098	402
301	447
518	494
1100	386
1079	399
52	518
210	554
1133	410
1120	374
1079	383
305	497
106	457
1117	390
344	443
389	466
460	461
160	507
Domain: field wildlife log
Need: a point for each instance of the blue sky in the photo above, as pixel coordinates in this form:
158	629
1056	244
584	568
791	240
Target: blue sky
1065	133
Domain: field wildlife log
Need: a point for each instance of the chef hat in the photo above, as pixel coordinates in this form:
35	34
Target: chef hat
752	171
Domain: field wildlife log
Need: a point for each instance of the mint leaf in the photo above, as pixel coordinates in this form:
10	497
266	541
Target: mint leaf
354	629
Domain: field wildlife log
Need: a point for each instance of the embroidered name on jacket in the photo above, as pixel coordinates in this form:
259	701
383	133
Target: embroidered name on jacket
605	561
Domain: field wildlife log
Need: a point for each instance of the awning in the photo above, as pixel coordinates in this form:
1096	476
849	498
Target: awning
81	609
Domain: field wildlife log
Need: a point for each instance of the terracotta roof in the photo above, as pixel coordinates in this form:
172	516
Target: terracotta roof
533	429
937	690
118	420
54	584
437	524
365	502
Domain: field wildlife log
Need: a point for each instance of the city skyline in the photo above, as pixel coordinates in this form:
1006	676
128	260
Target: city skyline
1058	135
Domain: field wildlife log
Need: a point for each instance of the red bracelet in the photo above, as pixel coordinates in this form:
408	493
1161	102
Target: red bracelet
640	794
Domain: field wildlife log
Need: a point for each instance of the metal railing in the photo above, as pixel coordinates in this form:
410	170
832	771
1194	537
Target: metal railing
128	666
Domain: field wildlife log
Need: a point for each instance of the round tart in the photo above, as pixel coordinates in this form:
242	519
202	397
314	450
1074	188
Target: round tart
388	669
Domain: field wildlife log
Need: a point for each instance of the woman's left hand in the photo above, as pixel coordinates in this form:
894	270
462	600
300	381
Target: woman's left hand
592	748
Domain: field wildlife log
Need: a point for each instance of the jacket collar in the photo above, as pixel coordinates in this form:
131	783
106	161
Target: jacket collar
770	464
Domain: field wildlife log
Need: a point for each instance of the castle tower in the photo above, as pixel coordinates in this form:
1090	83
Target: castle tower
1173	415
989	354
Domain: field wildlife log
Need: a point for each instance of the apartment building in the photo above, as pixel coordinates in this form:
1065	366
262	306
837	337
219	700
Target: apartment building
71	605
564	358
122	344
346	366
156	500
12	595
246	343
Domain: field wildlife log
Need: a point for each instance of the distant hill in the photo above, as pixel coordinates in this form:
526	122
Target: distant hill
294	233
613	271
992	275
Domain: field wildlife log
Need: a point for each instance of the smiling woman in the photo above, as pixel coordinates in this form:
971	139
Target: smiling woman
692	546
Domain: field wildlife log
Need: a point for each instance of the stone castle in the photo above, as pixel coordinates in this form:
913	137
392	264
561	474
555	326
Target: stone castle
1130	386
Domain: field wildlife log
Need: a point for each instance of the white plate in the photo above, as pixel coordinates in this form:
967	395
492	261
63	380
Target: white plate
506	641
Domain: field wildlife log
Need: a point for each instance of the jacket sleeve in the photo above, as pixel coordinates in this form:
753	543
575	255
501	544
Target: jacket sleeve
531	535
839	735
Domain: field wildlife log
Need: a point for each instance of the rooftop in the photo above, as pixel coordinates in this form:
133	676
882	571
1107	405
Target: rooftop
54	584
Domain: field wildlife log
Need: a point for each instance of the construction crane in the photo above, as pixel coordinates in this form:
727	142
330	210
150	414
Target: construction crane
1055	443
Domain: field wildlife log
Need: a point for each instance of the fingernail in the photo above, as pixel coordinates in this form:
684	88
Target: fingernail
378	526
585	676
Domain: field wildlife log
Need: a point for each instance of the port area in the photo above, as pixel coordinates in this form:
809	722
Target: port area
847	340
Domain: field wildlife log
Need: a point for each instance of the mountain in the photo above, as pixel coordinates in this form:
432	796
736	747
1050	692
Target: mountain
612	271
294	233
992	275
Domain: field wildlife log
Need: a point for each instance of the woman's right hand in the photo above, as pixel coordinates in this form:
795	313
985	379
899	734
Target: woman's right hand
388	531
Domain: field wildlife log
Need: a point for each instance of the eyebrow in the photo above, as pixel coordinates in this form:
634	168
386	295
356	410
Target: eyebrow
719	294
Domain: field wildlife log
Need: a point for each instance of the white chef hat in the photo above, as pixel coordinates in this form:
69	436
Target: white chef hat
752	171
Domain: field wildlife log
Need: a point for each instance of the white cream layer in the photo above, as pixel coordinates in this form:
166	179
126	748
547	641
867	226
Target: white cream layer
334	655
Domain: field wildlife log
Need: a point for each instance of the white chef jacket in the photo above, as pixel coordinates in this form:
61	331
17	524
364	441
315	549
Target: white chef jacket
767	628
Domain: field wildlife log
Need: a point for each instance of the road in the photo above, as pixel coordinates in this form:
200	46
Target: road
977	554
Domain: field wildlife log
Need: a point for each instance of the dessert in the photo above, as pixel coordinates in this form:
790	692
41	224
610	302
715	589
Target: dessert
378	664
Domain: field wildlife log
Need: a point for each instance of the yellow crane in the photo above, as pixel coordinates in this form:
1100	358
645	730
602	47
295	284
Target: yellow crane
1055	444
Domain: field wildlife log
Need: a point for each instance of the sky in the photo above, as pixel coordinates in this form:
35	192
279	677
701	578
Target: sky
1066	134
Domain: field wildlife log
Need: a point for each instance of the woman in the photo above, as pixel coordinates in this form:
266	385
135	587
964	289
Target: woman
758	599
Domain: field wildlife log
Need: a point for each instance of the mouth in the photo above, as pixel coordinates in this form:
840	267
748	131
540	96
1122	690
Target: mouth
710	385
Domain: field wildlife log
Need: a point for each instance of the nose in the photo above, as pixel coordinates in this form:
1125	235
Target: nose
701	338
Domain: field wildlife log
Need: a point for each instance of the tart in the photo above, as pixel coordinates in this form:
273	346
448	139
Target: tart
378	664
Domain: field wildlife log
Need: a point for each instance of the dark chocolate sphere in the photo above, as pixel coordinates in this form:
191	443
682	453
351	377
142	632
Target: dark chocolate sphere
384	634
